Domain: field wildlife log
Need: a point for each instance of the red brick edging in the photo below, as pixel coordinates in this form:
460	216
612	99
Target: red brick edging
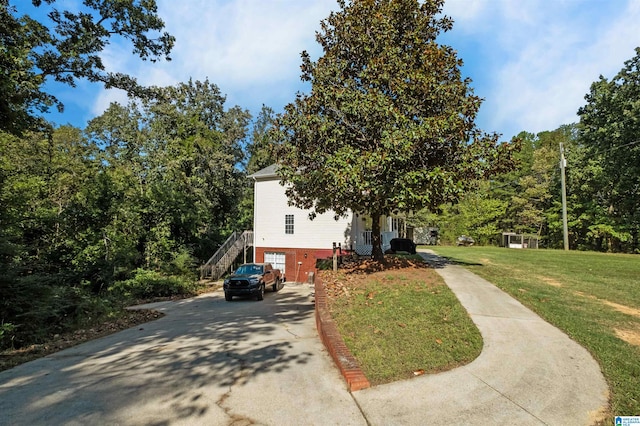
334	343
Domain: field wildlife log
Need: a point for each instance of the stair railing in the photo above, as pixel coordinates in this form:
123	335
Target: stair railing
224	257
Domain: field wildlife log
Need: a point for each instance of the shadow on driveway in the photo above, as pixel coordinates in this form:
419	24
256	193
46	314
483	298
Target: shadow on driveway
182	367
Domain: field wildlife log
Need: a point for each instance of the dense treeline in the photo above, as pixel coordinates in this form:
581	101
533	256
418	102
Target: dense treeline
602	175
128	206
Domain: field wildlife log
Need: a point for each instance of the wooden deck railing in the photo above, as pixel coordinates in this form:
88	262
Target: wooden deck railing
224	257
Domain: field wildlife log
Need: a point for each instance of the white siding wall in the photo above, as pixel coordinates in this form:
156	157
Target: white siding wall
269	219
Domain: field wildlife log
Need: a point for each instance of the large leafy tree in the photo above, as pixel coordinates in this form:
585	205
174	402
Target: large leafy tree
66	47
389	124
173	163
43	174
477	214
261	152
147	186
533	190
507	186
197	147
610	131
262	148
591	226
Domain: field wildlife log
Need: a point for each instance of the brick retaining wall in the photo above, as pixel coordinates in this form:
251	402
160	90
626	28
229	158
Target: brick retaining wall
334	343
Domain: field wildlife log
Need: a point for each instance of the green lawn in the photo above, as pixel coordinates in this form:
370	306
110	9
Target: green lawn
399	323
593	297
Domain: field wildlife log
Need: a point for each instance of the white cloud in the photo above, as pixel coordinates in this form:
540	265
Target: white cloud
491	16
465	11
617	43
106	97
532	60
548	64
249	48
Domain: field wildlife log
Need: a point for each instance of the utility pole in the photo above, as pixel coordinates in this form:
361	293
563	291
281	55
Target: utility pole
565	227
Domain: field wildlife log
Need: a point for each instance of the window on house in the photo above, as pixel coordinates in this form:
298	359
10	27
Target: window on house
288	224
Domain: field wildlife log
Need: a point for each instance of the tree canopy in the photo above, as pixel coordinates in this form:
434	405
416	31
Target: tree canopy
389	124
145	193
610	131
66	47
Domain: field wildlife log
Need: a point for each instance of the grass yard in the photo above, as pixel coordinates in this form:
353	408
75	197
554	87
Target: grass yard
593	297
400	323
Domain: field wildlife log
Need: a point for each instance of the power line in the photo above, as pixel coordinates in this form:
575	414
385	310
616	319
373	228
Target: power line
622	146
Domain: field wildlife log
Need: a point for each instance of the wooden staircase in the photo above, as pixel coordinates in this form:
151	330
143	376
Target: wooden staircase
228	252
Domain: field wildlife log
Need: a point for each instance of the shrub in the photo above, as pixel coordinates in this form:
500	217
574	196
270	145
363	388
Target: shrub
182	264
148	284
324	264
7	334
34	309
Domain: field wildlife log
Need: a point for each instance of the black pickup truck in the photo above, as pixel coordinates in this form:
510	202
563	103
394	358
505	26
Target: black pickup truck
251	279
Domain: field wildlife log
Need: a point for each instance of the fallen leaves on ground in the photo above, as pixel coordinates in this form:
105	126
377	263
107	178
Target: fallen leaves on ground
12	357
352	275
368	266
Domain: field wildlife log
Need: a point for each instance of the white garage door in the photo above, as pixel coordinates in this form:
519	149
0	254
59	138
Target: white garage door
277	260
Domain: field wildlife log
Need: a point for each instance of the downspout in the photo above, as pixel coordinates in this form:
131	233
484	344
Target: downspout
255	203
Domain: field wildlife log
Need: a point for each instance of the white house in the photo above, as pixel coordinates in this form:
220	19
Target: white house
285	236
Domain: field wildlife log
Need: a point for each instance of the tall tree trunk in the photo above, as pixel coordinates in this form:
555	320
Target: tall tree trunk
376	238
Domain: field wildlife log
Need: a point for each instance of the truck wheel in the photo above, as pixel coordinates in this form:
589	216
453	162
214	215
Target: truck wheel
228	297
260	295
276	285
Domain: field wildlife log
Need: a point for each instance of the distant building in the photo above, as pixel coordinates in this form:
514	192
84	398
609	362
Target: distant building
425	235
521	241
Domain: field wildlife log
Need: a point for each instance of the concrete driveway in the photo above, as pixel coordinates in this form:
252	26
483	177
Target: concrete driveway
211	362
206	362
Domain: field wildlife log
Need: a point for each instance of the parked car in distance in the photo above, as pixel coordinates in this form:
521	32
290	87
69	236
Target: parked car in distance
464	240
252	279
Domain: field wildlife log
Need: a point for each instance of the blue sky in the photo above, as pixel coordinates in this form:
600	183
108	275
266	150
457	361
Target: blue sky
531	60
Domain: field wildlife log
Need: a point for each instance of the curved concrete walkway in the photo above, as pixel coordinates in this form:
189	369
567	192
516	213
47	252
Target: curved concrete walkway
529	372
218	363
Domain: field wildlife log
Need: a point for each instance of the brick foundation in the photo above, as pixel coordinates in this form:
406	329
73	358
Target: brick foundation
334	343
299	262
